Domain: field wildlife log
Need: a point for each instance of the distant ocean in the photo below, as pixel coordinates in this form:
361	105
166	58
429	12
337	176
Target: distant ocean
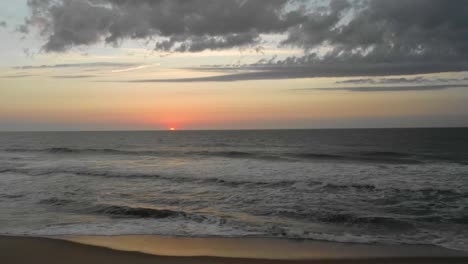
391	186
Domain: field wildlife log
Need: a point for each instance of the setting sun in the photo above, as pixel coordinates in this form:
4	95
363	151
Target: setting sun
172	129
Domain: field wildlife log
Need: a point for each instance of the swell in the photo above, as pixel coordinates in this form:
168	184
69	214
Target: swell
63	150
336	218
110	210
388	222
125	211
6	170
56	201
350	219
374	156
384	154
156	153
150	176
391	199
359	156
11	196
313	184
135	212
139	212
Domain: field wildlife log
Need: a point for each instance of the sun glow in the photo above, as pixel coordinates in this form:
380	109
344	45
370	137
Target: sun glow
172	129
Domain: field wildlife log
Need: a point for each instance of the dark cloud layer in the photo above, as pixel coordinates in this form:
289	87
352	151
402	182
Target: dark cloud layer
399	37
392	88
193	25
414	80
385	81
405	30
278	72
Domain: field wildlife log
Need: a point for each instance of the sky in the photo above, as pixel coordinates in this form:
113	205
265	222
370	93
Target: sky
232	64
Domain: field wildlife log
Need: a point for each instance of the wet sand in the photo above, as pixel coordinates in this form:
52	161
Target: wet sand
226	251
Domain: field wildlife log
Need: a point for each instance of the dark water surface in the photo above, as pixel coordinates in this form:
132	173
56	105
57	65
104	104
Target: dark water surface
375	185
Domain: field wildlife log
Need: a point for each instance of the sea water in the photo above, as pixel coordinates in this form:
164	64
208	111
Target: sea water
391	186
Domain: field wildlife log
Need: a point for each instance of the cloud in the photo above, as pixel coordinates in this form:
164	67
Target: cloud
390	31
73	76
194	25
390	88
242	76
312	66
3	24
16	76
385	81
76	65
399	37
134	68
278	72
414	80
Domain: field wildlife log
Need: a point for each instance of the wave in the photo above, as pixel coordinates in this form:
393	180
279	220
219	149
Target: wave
345	218
124	211
421	193
138	212
225	154
316	156
316	185
169	220
63	150
56	201
387	222
110	210
384	154
83	172
11	196
371	156
233	154
358	156
112	174
135	175
366	187
374	157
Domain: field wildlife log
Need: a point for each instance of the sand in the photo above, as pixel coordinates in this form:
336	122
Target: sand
46	250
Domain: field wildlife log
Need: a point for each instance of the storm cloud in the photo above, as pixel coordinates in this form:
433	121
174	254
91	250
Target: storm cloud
359	37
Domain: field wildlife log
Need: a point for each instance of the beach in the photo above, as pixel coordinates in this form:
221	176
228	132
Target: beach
52	250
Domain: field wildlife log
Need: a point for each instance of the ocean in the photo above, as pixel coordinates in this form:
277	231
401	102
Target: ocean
388	186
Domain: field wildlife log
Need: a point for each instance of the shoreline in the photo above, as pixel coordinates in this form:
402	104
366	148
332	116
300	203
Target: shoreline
257	248
156	249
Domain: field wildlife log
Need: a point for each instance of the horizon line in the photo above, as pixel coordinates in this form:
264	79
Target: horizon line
229	129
